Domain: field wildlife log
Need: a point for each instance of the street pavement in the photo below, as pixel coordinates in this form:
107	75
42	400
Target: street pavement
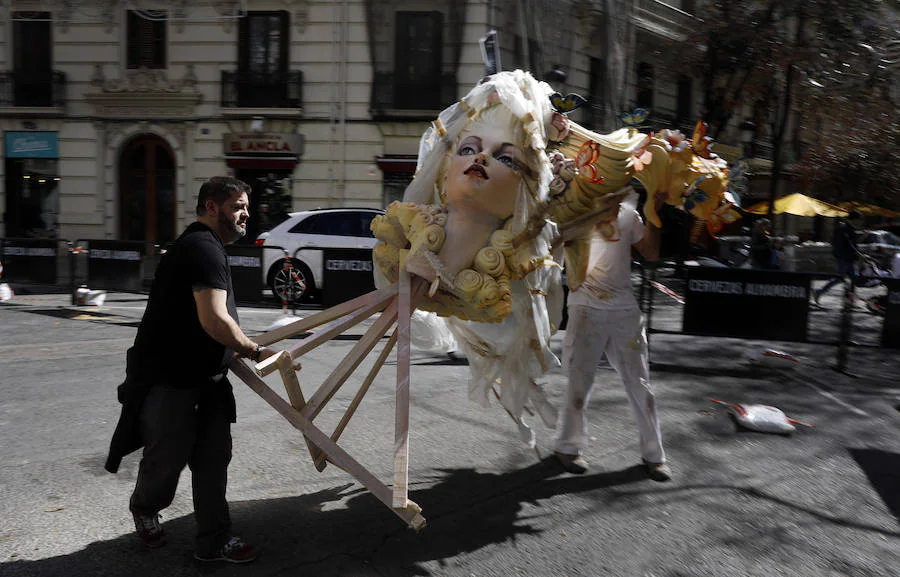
823	502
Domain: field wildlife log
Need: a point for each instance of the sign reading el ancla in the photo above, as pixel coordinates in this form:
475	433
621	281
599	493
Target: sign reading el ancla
276	143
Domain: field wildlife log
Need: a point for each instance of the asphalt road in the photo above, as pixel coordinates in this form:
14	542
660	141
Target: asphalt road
823	502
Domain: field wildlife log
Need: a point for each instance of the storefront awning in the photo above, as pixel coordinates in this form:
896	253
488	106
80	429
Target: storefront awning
269	162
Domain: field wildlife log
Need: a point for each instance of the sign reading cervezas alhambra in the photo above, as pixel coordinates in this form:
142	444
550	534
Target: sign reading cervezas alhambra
264	143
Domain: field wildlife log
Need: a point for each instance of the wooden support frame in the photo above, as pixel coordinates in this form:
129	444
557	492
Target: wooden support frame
395	304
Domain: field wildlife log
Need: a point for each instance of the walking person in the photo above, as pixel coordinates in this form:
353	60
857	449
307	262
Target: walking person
843	247
177	401
762	250
604	318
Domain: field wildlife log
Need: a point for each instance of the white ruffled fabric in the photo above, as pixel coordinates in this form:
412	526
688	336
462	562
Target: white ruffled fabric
512	354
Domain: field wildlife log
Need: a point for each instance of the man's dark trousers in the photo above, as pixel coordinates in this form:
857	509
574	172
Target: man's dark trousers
188	426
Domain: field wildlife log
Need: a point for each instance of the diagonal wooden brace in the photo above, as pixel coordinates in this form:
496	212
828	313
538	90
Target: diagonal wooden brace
352	319
342	372
319	456
320	318
411	513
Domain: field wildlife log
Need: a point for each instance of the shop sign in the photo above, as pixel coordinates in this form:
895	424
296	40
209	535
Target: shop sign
347	274
282	144
245	262
747	303
31	144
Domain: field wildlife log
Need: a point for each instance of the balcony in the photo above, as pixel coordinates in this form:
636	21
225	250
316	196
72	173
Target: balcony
394	98
34	91
243	91
663	19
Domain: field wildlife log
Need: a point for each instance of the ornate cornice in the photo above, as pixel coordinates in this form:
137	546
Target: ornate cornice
144	93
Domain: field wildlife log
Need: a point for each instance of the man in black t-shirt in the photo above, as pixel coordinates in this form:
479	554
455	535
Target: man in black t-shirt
177	401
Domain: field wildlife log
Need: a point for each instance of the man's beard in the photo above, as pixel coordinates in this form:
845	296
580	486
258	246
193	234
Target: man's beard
230	229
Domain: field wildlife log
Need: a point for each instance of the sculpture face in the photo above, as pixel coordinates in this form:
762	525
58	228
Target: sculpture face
485	173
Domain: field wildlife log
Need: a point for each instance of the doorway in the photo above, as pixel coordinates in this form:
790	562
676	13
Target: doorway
147	190
270	202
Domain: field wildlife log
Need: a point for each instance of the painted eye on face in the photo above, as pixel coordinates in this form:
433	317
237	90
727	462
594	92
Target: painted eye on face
467	150
507	160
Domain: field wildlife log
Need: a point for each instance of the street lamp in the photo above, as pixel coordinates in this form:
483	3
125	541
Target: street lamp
746	133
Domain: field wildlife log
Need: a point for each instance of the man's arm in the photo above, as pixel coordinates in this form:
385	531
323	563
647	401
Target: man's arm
212	310
648	246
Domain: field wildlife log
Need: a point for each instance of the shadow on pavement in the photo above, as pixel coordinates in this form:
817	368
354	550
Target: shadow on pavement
883	470
344	531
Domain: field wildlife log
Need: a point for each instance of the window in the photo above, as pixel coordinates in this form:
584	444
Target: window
32	59
418	57
364	219
534	55
645	85
262	78
146	40
596	108
685	104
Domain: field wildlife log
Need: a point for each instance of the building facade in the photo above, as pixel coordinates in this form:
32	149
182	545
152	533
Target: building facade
113	113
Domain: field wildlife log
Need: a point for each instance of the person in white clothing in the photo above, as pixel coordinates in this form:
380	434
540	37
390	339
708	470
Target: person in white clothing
604	318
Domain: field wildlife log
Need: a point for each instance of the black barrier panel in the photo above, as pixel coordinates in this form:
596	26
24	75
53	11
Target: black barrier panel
346	274
890	332
29	260
746	303
115	265
246	272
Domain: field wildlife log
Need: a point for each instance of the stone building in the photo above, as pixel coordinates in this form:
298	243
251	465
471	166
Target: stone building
113	112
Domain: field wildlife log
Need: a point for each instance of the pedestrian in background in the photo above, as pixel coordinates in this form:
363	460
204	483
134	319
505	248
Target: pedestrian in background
845	251
762	248
604	318
177	401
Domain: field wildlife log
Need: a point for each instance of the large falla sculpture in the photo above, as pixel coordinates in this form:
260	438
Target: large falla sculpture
504	185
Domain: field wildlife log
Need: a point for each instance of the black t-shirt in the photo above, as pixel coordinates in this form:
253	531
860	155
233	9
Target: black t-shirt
171	345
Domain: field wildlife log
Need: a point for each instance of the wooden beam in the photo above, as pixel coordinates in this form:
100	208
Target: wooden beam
351	361
319	457
294	392
411	514
322	317
401	409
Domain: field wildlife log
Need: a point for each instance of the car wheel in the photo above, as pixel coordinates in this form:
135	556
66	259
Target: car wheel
294	286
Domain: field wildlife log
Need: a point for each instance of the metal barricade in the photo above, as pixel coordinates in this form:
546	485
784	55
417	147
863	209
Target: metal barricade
33	260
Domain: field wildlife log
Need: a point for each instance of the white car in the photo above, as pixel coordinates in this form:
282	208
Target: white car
881	245
303	236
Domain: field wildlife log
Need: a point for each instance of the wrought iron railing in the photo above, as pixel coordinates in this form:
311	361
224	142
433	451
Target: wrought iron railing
244	90
392	93
39	89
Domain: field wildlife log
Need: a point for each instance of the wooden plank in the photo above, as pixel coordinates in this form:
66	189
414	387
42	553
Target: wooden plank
411	514
319	457
351	361
349	321
322	317
401	410
294	392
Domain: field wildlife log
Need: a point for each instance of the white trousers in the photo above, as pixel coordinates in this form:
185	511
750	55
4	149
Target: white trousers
620	334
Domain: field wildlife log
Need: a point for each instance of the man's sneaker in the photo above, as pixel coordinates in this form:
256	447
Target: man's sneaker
149	530
235	551
575	464
659	472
